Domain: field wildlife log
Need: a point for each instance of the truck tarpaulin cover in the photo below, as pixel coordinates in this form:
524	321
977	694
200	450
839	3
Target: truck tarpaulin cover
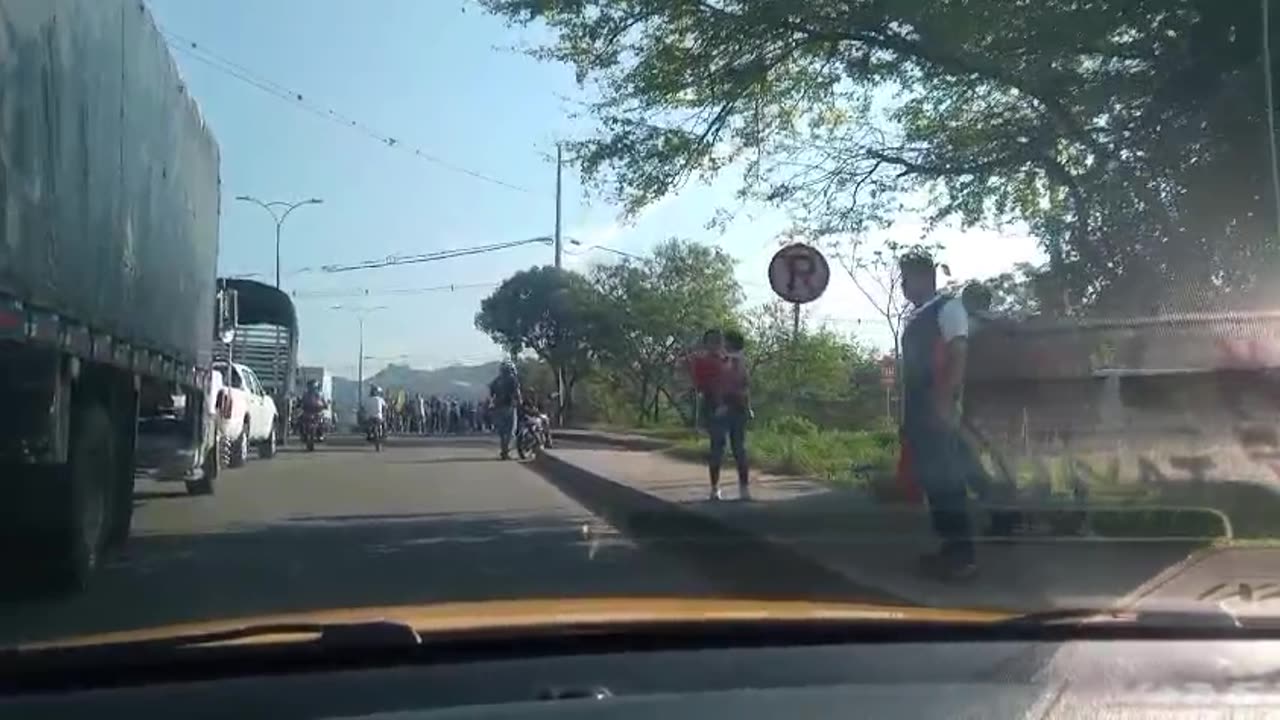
109	187
260	304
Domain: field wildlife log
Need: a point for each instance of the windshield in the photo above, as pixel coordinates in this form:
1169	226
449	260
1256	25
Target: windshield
965	306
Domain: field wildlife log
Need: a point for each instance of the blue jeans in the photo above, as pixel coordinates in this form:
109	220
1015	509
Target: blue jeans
943	464
504	421
731	428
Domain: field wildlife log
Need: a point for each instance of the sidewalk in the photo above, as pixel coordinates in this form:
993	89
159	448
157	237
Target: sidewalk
870	546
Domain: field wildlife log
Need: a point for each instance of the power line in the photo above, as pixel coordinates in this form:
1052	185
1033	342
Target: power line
431	256
364	292
202	54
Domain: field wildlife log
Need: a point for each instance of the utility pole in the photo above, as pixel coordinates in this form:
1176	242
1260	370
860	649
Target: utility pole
560	400
559	166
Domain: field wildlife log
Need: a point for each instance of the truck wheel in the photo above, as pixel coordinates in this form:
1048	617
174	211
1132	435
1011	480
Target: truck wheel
240	448
267	449
79	530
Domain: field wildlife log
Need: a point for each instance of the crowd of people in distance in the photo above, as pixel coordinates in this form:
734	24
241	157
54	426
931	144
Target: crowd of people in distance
415	414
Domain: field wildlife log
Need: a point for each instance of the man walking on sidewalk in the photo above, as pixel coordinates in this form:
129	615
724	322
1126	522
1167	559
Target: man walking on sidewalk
934	348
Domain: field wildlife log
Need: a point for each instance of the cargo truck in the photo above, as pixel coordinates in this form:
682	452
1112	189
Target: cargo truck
265	339
109	205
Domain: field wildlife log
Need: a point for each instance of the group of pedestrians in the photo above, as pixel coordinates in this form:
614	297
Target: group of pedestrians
420	415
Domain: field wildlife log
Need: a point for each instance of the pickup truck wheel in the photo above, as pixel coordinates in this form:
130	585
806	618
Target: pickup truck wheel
267	449
240	448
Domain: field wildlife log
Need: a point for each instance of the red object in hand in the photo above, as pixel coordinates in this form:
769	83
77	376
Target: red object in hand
907	483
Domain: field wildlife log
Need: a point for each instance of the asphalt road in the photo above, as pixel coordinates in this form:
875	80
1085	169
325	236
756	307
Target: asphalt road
426	520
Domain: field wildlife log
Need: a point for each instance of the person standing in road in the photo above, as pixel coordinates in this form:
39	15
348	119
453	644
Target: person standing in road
705	365
729	416
504	393
934	350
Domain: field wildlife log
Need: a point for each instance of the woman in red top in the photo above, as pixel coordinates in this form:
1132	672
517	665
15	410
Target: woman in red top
706	363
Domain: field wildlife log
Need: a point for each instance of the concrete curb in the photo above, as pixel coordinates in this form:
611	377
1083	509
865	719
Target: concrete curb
739	562
627	442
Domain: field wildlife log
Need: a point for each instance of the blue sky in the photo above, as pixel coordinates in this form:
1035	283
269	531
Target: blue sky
435	75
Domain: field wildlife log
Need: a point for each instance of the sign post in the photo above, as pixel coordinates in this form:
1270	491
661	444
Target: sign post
888	377
799	274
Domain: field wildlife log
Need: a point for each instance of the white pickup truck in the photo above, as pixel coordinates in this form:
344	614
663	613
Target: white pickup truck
247	414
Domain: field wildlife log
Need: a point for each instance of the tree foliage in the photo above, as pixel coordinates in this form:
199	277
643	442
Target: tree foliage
552	312
1129	135
813	374
657	310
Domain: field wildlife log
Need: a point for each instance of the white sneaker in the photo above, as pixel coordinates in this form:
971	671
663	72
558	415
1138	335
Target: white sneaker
715	493
744	493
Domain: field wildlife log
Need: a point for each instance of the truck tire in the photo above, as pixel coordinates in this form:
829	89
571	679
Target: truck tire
240	447
73	549
267	448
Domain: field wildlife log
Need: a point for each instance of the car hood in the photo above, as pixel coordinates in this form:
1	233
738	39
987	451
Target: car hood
550	612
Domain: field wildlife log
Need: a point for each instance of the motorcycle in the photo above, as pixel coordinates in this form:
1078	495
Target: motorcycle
376	433
530	436
311	429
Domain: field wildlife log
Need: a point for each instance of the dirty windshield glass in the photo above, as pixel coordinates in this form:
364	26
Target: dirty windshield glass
312	310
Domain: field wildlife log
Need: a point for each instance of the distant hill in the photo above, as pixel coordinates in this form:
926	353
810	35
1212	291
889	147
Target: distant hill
465	382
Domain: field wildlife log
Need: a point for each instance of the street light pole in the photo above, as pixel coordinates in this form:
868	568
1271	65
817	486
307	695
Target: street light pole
606	249
559	245
361	312
279	216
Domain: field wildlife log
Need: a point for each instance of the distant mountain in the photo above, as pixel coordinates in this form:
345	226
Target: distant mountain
465	382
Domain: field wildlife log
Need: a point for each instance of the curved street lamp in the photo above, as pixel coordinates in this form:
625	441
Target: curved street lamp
279	210
360	313
615	251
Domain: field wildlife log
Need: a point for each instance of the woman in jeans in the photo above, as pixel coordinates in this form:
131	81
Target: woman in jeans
728	411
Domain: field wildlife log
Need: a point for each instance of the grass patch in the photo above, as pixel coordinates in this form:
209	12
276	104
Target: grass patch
1118	501
784	447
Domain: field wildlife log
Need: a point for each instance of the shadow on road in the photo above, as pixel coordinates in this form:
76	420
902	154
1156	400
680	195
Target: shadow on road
325	562
141	496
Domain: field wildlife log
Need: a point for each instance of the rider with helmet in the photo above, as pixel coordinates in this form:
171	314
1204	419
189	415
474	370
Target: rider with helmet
314	404
504	392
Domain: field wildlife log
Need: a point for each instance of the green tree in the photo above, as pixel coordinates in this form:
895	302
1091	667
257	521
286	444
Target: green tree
1129	136
657	310
816	374
552	312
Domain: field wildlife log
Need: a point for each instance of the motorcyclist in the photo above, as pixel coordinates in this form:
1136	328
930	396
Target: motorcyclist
374	407
314	404
504	392
538	421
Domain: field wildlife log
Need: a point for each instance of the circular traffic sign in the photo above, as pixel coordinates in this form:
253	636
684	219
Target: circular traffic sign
798	273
